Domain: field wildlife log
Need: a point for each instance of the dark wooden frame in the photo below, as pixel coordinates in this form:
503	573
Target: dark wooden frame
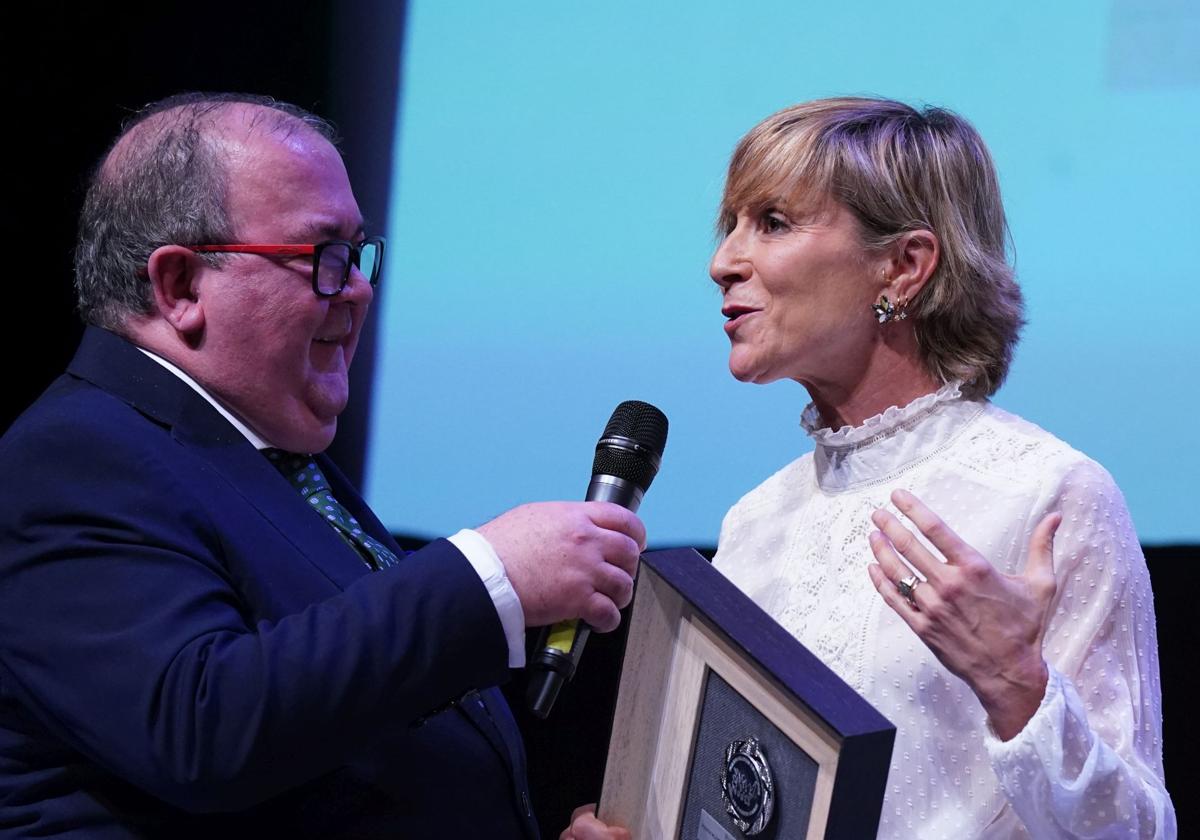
686	619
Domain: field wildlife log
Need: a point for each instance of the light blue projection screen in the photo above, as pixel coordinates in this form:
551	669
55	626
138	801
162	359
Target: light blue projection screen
551	224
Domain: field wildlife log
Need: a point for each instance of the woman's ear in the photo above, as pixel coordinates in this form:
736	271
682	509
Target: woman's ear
914	257
174	274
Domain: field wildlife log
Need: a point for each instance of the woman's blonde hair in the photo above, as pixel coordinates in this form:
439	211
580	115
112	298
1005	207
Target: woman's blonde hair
898	170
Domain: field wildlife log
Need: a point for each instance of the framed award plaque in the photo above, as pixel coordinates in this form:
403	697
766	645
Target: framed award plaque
727	727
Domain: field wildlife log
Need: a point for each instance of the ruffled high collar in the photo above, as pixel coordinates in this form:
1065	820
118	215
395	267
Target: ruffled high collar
888	443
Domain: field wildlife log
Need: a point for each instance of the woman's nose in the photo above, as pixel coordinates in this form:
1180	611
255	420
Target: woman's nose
728	264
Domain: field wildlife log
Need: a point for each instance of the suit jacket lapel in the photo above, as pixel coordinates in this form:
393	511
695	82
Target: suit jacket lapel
113	364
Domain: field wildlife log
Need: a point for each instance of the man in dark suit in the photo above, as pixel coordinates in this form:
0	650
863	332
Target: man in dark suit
203	628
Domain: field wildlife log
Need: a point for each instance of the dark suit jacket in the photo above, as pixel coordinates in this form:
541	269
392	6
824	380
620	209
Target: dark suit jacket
186	649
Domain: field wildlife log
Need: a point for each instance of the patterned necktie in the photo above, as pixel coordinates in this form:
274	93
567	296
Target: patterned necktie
302	472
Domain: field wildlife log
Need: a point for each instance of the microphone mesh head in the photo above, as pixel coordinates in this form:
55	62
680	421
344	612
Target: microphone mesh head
645	425
641	422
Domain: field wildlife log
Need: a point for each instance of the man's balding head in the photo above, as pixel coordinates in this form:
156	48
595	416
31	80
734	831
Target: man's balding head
165	181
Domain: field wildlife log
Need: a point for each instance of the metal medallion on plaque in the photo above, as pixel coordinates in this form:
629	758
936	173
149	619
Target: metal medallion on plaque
747	786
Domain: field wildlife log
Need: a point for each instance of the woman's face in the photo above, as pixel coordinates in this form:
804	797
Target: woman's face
797	292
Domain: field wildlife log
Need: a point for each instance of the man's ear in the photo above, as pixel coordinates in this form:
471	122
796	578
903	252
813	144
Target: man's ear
174	274
914	257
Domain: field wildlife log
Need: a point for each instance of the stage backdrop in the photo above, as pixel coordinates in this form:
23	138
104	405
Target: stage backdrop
558	168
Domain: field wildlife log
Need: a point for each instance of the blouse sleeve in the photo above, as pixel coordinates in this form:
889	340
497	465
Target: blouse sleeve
1089	762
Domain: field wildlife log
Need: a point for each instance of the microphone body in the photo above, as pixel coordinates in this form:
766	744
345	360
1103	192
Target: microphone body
609	488
628	456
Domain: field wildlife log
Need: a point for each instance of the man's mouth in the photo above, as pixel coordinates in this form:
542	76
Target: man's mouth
334	332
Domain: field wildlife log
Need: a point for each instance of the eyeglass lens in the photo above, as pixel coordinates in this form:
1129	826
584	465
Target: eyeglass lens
333	265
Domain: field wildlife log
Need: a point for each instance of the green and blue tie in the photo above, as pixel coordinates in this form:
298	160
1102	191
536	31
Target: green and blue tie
303	474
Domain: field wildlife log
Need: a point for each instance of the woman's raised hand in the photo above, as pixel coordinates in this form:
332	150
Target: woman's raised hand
986	627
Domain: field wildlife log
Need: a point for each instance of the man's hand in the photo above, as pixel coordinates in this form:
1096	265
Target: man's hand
569	559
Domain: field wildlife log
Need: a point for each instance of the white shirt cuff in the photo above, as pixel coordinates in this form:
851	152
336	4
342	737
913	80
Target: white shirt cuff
487	565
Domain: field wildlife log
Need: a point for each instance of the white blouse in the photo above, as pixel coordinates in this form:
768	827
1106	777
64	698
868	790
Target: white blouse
1089	762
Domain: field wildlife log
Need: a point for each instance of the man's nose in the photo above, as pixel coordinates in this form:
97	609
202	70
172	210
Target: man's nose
357	289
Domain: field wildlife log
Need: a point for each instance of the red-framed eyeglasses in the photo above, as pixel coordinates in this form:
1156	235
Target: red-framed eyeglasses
331	260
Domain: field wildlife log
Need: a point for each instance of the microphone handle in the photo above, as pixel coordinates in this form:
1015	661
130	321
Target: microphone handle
560	645
558	650
609	488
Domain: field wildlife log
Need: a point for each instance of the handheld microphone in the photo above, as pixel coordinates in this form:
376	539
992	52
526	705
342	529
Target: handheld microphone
628	456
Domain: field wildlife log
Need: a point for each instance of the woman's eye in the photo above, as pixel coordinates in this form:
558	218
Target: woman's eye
773	222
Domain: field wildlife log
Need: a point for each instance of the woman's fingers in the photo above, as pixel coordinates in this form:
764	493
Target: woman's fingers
893	570
886	587
906	545
939	534
1041	547
1039	567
